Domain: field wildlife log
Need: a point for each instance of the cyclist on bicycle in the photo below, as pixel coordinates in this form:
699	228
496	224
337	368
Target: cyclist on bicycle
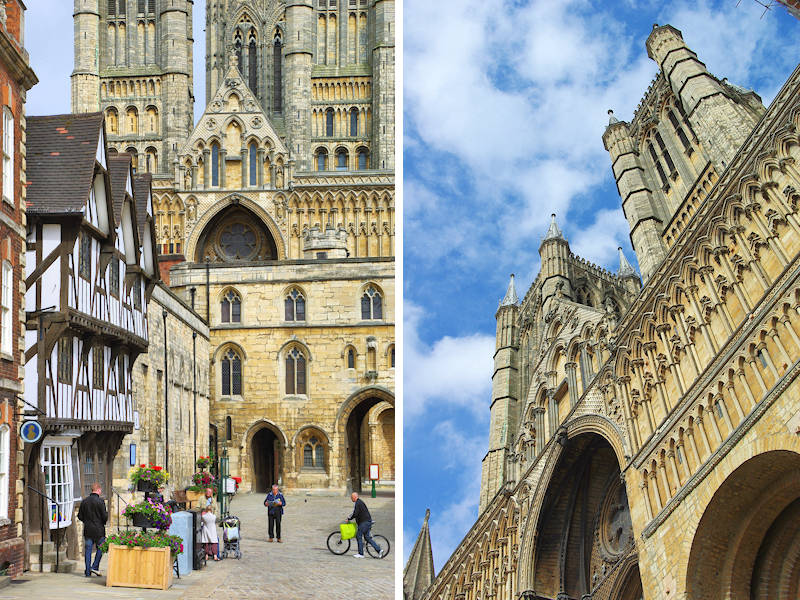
364	521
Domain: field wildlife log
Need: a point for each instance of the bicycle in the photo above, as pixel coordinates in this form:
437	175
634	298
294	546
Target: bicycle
339	546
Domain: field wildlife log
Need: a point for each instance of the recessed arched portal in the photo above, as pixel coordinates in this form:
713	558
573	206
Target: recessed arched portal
747	544
235	234
265	448
353	423
584	535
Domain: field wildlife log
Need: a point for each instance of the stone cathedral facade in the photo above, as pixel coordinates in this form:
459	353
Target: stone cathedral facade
645	437
274	213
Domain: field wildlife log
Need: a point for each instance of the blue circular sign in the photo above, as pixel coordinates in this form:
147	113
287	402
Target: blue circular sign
31	431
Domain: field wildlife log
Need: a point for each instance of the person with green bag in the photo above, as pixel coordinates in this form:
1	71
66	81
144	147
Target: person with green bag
364	522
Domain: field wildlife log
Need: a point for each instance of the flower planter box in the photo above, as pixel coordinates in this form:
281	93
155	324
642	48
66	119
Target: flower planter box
139	567
193	498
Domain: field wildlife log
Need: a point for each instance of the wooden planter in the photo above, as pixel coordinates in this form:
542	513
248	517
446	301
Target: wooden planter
139	567
193	498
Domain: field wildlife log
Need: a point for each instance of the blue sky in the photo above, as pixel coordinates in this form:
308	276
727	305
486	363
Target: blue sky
505	103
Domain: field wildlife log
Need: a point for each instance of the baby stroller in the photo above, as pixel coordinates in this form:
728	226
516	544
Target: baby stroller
231	534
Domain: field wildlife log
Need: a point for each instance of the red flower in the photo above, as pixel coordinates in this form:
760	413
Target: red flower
156	468
141	466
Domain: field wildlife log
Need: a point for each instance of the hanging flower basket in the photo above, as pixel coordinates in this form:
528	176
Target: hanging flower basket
204	479
148	478
203	463
149	514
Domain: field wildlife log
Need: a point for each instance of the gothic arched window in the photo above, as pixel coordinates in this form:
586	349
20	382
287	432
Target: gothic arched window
353	122
341	159
363	159
662	176
231	308
371	304
237	44
665	153
112	121
322	159
253	158
687	147
214	164
329	122
295	372
295	306
351	358
252	65
231	373
313	454
277	99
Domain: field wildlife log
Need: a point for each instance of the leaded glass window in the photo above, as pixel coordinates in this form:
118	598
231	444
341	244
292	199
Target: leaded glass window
231	308
238	241
97	367
85	256
114	284
371	304
65	359
253	158
295	306
231	374
295	372
214	164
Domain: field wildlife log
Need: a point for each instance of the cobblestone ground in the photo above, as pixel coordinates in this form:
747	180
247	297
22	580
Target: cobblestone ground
298	569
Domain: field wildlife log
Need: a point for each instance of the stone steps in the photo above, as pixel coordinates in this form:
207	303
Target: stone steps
49	559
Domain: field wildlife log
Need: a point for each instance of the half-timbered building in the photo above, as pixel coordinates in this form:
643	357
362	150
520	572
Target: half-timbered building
88	280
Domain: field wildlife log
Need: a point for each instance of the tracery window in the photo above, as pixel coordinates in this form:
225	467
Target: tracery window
313	454
295	372
231	373
236	235
231	308
295	306
371	304
237	241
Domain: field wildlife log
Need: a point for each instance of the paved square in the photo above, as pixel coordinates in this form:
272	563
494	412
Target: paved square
300	568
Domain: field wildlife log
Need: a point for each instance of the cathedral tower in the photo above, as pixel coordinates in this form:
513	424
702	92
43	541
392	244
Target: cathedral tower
683	135
133	61
504	396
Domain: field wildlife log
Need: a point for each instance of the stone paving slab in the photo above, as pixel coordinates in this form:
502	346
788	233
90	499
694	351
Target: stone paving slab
298	569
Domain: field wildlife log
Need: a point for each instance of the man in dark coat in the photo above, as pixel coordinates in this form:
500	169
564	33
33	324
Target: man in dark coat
94	516
275	503
364	521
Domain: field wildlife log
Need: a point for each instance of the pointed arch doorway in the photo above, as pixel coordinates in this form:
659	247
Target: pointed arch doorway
355	427
266	457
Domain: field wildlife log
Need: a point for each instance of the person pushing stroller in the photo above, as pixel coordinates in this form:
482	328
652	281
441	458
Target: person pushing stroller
364	522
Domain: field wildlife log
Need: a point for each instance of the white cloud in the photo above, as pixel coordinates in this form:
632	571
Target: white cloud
453	371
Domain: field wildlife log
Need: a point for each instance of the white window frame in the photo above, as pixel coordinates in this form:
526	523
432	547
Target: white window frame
56	462
8	155
6	303
5	468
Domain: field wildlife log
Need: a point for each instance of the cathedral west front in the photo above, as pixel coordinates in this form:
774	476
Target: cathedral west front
644	431
274	213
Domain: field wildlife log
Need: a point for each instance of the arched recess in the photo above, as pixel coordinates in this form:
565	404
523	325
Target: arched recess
380	419
351	421
576	506
747	543
263	451
236	234
196	239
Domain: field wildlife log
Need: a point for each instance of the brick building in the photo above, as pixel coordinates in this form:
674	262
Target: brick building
645	438
16	78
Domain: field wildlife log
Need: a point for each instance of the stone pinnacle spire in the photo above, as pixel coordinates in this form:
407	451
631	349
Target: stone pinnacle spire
510	298
418	574
553	232
625	268
611	118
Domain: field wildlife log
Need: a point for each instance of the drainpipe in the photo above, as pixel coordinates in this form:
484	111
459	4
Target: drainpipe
166	396
194	384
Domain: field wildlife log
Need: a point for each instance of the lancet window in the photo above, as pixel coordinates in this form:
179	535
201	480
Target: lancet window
231	308
295	372
231	373
371	304
295	306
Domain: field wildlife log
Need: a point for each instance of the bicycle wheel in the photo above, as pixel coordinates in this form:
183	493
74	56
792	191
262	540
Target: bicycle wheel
336	544
383	543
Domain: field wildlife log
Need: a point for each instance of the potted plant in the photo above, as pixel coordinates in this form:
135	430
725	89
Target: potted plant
194	493
203	462
148	478
149	514
141	559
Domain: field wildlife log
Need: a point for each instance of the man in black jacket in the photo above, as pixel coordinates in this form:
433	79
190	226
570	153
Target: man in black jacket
94	516
364	521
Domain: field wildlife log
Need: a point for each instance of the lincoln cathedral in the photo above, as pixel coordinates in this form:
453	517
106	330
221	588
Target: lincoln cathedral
274	213
645	431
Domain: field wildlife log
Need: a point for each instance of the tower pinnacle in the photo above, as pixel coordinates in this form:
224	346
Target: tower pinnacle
510	298
625	268
553	232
